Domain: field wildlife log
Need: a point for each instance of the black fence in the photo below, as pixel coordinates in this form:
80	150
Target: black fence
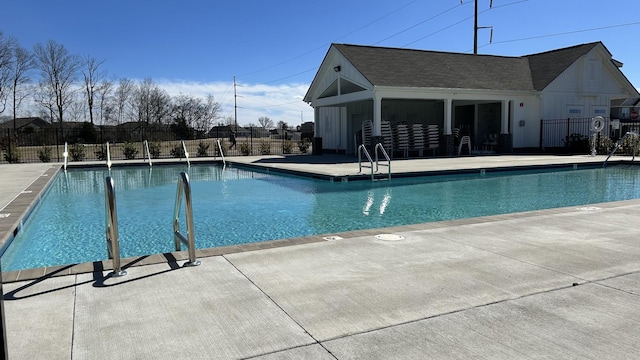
89	143
575	136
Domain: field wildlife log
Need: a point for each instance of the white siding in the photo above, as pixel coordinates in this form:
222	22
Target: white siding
334	127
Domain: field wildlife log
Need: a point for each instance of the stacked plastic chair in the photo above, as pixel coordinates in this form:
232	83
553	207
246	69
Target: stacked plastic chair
401	139
433	137
417	138
387	136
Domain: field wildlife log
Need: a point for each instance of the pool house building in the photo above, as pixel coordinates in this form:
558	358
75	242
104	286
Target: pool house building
418	102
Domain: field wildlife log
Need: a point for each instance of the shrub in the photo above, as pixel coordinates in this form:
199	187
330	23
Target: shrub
265	147
44	154
203	149
101	153
177	151
154	149
130	150
303	146
245	148
287	146
12	155
77	152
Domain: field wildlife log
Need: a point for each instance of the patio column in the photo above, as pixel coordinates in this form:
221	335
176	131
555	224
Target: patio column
377	115
505	139
504	123
447	141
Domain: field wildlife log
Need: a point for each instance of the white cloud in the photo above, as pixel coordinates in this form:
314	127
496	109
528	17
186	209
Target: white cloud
278	102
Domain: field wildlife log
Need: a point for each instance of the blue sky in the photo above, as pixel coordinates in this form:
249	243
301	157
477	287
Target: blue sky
273	48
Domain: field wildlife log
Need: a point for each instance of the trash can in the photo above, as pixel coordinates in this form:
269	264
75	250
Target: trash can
317	146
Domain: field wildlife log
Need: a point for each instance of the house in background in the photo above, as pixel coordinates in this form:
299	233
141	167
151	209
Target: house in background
498	101
25	124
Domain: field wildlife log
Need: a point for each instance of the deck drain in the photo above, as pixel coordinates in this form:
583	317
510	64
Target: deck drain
26	192
332	238
589	208
4	215
389	237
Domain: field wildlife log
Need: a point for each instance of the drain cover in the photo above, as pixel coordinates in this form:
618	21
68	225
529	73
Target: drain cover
4	215
389	237
589	208
332	238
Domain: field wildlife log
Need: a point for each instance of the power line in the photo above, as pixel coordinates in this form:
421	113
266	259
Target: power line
568	32
416	25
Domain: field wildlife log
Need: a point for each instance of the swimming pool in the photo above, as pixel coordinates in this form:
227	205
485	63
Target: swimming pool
237	205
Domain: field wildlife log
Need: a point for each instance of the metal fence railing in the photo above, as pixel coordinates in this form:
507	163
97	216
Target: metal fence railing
88	143
573	135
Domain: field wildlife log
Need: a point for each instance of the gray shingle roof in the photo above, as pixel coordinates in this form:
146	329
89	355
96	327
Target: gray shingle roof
431	69
547	66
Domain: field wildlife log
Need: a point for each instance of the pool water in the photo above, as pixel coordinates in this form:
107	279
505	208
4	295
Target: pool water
235	206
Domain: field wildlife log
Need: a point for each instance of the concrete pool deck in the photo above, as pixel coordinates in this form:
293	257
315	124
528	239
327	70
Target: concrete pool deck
558	283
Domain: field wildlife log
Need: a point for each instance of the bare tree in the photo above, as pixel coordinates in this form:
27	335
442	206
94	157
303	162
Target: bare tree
151	103
122	100
58	70
103	92
195	113
23	63
92	80
265	122
7	45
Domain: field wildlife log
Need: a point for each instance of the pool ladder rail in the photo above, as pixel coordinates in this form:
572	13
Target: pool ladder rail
184	188
224	163
147	155
619	143
111	223
362	149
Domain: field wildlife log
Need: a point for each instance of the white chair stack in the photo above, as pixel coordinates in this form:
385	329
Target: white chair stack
401	139
433	137
417	138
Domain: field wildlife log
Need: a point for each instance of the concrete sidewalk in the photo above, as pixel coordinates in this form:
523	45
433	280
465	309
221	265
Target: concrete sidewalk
561	283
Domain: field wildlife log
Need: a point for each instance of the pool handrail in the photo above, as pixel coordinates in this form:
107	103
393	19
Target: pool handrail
363	149
224	163
184	187
65	155
108	157
619	143
186	154
380	148
147	157
111	224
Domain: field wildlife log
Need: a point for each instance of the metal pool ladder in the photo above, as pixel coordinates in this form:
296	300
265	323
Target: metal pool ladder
619	143
224	163
380	148
147	155
111	223
377	149
184	187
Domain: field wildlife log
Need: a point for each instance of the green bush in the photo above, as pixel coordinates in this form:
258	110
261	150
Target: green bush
154	149
77	152
287	147
245	148
265	147
12	155
101	153
203	149
303	146
130	150
44	154
177	151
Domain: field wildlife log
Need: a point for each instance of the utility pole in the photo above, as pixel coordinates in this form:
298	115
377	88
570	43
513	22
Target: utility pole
235	105
476	27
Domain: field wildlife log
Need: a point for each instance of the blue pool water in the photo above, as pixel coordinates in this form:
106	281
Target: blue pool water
235	206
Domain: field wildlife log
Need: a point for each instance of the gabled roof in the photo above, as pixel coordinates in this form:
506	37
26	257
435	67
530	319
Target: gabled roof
547	66
431	69
24	122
